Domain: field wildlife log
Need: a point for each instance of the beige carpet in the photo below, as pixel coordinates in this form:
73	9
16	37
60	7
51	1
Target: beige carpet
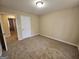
40	47
12	38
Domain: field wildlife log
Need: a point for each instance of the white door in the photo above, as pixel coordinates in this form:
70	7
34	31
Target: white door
4	36
26	26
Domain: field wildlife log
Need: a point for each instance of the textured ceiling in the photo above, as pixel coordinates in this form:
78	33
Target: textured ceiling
29	6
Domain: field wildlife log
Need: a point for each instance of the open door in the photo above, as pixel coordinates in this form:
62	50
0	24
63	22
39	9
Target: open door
2	36
2	39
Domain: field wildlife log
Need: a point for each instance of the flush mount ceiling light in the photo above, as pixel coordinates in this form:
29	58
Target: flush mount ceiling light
40	3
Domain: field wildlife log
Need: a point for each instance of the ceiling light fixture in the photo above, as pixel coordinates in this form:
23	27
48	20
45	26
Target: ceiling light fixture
40	3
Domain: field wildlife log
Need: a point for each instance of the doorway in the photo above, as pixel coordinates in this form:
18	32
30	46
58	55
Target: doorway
8	23
12	28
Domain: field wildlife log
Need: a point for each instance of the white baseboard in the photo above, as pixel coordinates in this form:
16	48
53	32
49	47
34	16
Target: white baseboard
31	36
60	40
34	35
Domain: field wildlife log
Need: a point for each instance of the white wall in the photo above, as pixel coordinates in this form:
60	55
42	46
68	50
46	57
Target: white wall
63	25
34	20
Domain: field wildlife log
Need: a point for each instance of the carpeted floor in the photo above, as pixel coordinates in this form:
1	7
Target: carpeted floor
13	38
40	47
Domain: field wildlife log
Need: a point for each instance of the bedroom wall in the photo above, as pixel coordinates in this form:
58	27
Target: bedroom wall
62	25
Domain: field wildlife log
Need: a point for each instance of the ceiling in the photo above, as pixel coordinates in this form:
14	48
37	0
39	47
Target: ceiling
30	7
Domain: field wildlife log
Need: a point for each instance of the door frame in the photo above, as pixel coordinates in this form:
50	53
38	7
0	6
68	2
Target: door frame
17	30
